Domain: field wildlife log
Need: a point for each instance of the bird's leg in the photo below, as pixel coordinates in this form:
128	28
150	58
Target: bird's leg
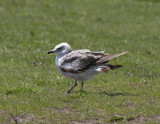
72	87
82	86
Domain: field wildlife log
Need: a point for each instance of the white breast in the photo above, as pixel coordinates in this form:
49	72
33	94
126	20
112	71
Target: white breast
58	61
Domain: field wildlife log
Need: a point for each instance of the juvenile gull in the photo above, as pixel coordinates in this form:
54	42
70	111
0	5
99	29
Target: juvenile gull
82	65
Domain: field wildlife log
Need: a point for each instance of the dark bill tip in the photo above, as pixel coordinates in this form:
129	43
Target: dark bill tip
49	52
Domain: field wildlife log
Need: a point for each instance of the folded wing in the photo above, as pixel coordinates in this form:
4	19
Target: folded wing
80	60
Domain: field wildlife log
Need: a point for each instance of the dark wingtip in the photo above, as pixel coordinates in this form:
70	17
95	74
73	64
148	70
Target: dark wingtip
115	66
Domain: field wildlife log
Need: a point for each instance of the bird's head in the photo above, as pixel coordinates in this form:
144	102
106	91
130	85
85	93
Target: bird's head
61	49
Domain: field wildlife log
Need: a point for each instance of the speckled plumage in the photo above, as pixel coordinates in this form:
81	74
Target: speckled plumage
82	64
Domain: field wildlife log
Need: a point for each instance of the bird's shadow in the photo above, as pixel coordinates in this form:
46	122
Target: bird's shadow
117	94
111	94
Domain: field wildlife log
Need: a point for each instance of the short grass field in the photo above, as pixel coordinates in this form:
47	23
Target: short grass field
32	90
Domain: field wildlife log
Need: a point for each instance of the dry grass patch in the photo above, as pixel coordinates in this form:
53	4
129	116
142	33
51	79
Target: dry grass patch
142	119
23	118
56	109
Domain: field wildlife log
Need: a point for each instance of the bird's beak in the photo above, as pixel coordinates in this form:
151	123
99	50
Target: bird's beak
49	52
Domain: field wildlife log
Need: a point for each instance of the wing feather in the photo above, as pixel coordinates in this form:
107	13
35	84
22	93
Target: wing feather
107	58
80	60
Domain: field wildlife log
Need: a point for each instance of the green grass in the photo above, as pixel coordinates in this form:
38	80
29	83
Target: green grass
32	89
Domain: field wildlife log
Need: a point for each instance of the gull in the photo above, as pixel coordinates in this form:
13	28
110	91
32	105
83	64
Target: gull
82	65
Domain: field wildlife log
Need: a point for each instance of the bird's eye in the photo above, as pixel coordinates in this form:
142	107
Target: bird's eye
59	48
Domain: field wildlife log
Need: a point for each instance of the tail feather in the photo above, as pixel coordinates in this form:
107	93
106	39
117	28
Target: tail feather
107	58
114	66
109	67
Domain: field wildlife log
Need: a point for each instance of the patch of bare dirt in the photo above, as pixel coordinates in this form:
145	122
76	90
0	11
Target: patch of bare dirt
24	118
142	119
2	112
90	121
137	85
129	105
65	109
87	122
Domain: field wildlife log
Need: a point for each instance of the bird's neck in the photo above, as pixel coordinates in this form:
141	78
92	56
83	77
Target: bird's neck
59	59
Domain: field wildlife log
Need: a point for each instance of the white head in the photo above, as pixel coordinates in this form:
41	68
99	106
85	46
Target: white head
61	49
